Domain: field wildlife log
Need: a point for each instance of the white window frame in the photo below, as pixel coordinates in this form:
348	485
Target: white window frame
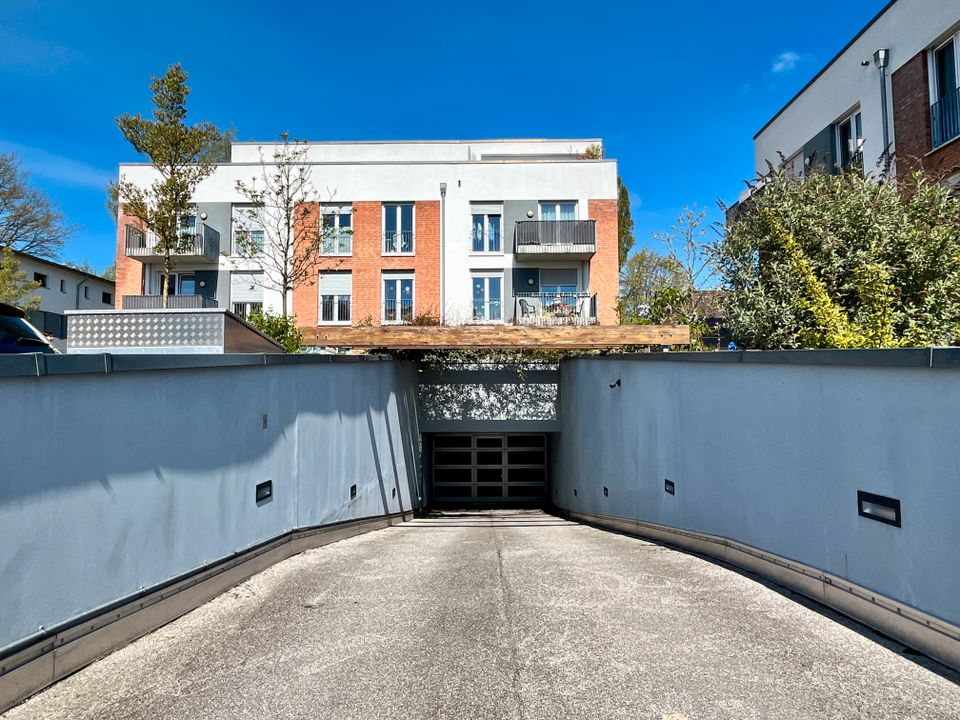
932	64
485	210
336	211
556	206
388	275
336	302
486	276
850	117
248	308
383	225
237	209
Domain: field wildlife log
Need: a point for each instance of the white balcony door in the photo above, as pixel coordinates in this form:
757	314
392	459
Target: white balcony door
488	297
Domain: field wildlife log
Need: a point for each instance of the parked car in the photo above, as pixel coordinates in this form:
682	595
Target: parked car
19	336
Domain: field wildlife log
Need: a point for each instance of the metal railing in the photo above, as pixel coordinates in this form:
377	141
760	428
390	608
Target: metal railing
945	118
174	302
399	242
554	235
579	308
337	242
204	242
398	312
487	241
335	309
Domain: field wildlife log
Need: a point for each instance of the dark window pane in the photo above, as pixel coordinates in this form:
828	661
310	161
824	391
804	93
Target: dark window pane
526	457
448	491
490	458
490	491
489	442
946	70
516	441
489	475
451	475
531	475
452	457
451	441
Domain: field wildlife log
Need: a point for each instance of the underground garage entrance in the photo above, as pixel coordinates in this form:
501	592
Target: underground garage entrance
488	468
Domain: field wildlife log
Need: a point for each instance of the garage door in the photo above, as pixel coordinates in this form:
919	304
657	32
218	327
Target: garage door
489	467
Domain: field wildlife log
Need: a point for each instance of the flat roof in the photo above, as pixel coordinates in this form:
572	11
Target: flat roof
825	67
420	142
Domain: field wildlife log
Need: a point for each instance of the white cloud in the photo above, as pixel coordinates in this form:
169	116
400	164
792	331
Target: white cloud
56	168
785	61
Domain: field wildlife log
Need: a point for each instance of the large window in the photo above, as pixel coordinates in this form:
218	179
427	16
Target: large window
248	236
246	293
336	235
945	97
488	297
486	228
398	297
558	211
336	289
181	283
398	219
850	141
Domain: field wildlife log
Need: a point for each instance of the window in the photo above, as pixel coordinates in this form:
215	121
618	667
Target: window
850	141
245	310
246	292
42	279
945	110
488	297
86	292
180	284
63	286
336	289
398	297
106	298
247	229
558	211
398	221
188	225
336	235
486	224
559	286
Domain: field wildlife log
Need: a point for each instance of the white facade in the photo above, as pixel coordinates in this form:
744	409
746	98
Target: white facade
851	83
487	173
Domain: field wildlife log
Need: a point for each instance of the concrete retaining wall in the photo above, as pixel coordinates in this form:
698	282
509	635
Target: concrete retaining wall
113	483
772	456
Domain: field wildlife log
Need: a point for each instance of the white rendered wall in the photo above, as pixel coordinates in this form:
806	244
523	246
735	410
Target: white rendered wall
53	300
907	28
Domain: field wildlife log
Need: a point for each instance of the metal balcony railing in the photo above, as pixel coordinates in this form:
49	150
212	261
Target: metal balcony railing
200	242
489	241
398	312
337	242
397	243
945	118
174	302
556	236
579	308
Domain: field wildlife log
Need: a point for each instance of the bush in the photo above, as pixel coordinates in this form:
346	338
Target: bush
281	328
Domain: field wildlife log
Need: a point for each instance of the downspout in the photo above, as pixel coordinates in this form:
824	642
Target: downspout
881	59
76	305
443	234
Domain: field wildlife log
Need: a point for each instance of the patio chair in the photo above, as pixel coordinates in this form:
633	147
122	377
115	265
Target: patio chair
527	309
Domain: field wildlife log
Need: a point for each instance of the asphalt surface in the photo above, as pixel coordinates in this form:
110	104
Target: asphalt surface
507	614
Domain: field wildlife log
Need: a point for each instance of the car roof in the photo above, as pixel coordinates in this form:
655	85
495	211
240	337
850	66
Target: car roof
10	311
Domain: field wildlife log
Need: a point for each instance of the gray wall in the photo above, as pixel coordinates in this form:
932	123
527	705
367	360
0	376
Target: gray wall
773	456
141	476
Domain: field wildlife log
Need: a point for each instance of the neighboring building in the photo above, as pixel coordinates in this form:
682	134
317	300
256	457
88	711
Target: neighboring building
63	288
492	231
889	97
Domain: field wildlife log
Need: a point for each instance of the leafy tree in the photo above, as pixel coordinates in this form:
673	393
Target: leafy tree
15	284
685	243
280	207
625	239
281	328
644	281
182	155
110	272
29	221
843	261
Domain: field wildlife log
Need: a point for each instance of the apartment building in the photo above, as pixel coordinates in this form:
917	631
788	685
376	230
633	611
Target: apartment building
492	231
888	100
63	288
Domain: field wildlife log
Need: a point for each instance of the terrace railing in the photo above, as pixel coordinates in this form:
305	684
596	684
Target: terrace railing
577	308
945	118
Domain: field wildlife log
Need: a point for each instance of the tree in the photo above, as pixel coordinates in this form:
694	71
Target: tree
182	156
843	261
281	235
29	221
625	239
281	328
694	258
644	280
15	284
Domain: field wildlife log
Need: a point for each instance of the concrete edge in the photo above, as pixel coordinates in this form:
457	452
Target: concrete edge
930	635
39	665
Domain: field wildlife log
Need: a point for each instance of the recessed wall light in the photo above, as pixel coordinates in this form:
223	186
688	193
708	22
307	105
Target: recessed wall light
264	491
669	487
878	507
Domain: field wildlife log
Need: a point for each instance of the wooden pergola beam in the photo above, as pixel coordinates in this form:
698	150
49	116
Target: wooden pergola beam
496	337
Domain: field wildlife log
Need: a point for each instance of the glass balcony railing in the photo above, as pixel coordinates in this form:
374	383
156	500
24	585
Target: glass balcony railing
945	118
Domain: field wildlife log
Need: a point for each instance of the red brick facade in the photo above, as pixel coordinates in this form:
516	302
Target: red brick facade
911	121
129	271
367	264
604	267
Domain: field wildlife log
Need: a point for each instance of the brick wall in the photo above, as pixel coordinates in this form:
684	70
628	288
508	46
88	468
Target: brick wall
367	263
129	271
911	121
604	267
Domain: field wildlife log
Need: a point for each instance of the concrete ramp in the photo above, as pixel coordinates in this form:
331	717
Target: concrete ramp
504	614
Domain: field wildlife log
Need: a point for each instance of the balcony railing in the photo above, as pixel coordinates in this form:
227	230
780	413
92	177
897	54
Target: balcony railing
398	243
174	302
398	312
945	117
577	308
200	243
487	311
489	241
556	237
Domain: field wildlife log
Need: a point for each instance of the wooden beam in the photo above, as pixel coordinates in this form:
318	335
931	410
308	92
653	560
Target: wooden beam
490	337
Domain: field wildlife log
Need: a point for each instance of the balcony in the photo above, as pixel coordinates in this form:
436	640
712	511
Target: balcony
200	243
398	243
945	118
568	239
397	312
174	302
543	309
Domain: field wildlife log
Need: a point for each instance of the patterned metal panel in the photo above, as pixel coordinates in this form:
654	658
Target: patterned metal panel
145	329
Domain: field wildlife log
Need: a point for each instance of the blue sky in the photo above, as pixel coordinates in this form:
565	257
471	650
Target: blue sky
676	89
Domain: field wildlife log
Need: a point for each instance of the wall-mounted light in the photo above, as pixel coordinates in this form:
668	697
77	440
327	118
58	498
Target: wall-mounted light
264	491
443	189
878	507
529	281
203	216
353	491
615	384
203	283
606	492
669	487
529	213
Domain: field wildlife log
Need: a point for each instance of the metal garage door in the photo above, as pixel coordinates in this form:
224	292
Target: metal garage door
489	467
